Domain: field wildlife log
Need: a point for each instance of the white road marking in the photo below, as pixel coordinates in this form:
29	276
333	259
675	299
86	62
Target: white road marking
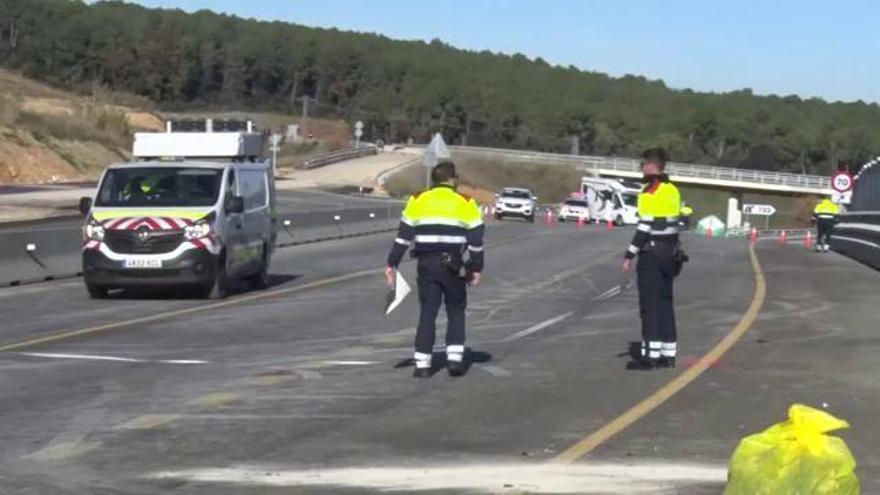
509	478
495	370
93	357
538	327
308	374
350	363
260	417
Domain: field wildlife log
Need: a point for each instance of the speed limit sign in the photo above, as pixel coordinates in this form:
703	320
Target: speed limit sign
842	182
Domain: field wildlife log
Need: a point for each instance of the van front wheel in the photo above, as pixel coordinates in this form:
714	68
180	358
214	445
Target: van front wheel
260	280
218	288
96	291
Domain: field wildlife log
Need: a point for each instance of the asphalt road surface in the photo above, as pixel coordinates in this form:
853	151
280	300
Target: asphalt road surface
305	388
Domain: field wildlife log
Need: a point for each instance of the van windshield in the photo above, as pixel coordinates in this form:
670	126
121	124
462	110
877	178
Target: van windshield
160	186
631	199
576	202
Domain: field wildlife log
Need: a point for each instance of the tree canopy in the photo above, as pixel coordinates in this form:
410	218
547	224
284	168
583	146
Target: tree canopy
403	89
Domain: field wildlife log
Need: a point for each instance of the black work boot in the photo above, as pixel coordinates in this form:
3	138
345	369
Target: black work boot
643	364
422	373
456	368
666	362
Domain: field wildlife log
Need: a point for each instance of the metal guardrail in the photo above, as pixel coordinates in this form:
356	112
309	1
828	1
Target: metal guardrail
629	165
337	156
857	235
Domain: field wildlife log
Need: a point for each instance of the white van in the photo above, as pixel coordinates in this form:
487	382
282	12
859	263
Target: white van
196	209
611	199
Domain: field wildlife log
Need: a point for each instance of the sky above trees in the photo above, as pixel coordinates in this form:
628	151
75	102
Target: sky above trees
804	47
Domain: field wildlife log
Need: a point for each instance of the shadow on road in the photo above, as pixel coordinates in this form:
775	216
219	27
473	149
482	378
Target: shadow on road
237	287
438	361
634	352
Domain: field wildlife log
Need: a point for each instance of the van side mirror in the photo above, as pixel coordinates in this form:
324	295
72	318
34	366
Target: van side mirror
534	198
235	204
85	205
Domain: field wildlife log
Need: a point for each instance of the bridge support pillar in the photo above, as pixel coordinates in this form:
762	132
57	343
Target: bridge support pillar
734	212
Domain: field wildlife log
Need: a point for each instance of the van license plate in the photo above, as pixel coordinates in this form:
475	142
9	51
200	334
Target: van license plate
143	263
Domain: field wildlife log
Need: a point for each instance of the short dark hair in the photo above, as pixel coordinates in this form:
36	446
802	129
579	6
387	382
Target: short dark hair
443	172
655	155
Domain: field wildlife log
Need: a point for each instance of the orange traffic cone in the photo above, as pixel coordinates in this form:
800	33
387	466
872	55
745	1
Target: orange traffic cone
580	223
783	237
754	235
610	225
709	231
808	240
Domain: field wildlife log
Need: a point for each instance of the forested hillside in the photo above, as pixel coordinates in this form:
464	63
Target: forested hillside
409	89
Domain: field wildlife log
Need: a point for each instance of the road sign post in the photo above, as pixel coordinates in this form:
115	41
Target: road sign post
358	132
276	142
757	210
842	185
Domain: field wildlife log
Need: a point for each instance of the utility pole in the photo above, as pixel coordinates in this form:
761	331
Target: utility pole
305	115
276	141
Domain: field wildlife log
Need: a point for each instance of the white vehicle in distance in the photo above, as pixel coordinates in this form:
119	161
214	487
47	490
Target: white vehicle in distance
575	209
515	202
611	199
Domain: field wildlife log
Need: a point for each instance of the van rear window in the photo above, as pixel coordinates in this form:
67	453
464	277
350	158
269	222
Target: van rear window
160	186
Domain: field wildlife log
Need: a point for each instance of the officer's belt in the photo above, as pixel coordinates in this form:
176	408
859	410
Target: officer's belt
649	229
647	218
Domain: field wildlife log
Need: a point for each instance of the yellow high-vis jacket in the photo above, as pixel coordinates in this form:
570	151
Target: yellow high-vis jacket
440	220
659	207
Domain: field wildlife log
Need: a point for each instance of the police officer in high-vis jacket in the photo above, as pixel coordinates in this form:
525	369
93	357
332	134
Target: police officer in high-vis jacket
825	214
440	225
657	246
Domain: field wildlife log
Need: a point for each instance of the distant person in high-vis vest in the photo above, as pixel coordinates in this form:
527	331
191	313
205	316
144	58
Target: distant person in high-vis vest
686	213
441	224
826	214
656	244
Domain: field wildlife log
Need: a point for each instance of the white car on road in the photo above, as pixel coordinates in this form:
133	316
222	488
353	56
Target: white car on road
574	209
515	202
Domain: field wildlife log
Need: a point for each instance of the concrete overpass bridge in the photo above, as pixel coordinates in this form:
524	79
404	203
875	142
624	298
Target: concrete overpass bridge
732	179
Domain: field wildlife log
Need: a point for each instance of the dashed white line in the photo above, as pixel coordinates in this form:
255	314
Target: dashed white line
495	371
538	327
94	357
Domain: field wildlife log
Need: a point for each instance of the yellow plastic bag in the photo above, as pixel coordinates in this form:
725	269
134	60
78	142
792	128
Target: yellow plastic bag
794	458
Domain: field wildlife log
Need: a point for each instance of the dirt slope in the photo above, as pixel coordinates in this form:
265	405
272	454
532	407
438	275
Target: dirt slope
49	135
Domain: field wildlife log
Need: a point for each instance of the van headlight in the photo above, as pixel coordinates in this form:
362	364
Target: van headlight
196	231
94	231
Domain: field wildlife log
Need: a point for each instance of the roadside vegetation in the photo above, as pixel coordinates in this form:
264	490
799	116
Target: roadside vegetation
404	89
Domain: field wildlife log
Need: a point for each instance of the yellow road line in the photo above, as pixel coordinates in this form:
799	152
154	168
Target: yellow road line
63	451
180	312
216	399
63	335
147	422
598	437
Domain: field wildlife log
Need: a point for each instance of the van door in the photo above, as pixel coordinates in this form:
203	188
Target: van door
600	202
233	226
257	216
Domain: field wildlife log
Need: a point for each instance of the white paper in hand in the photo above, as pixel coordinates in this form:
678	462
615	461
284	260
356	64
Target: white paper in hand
397	294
